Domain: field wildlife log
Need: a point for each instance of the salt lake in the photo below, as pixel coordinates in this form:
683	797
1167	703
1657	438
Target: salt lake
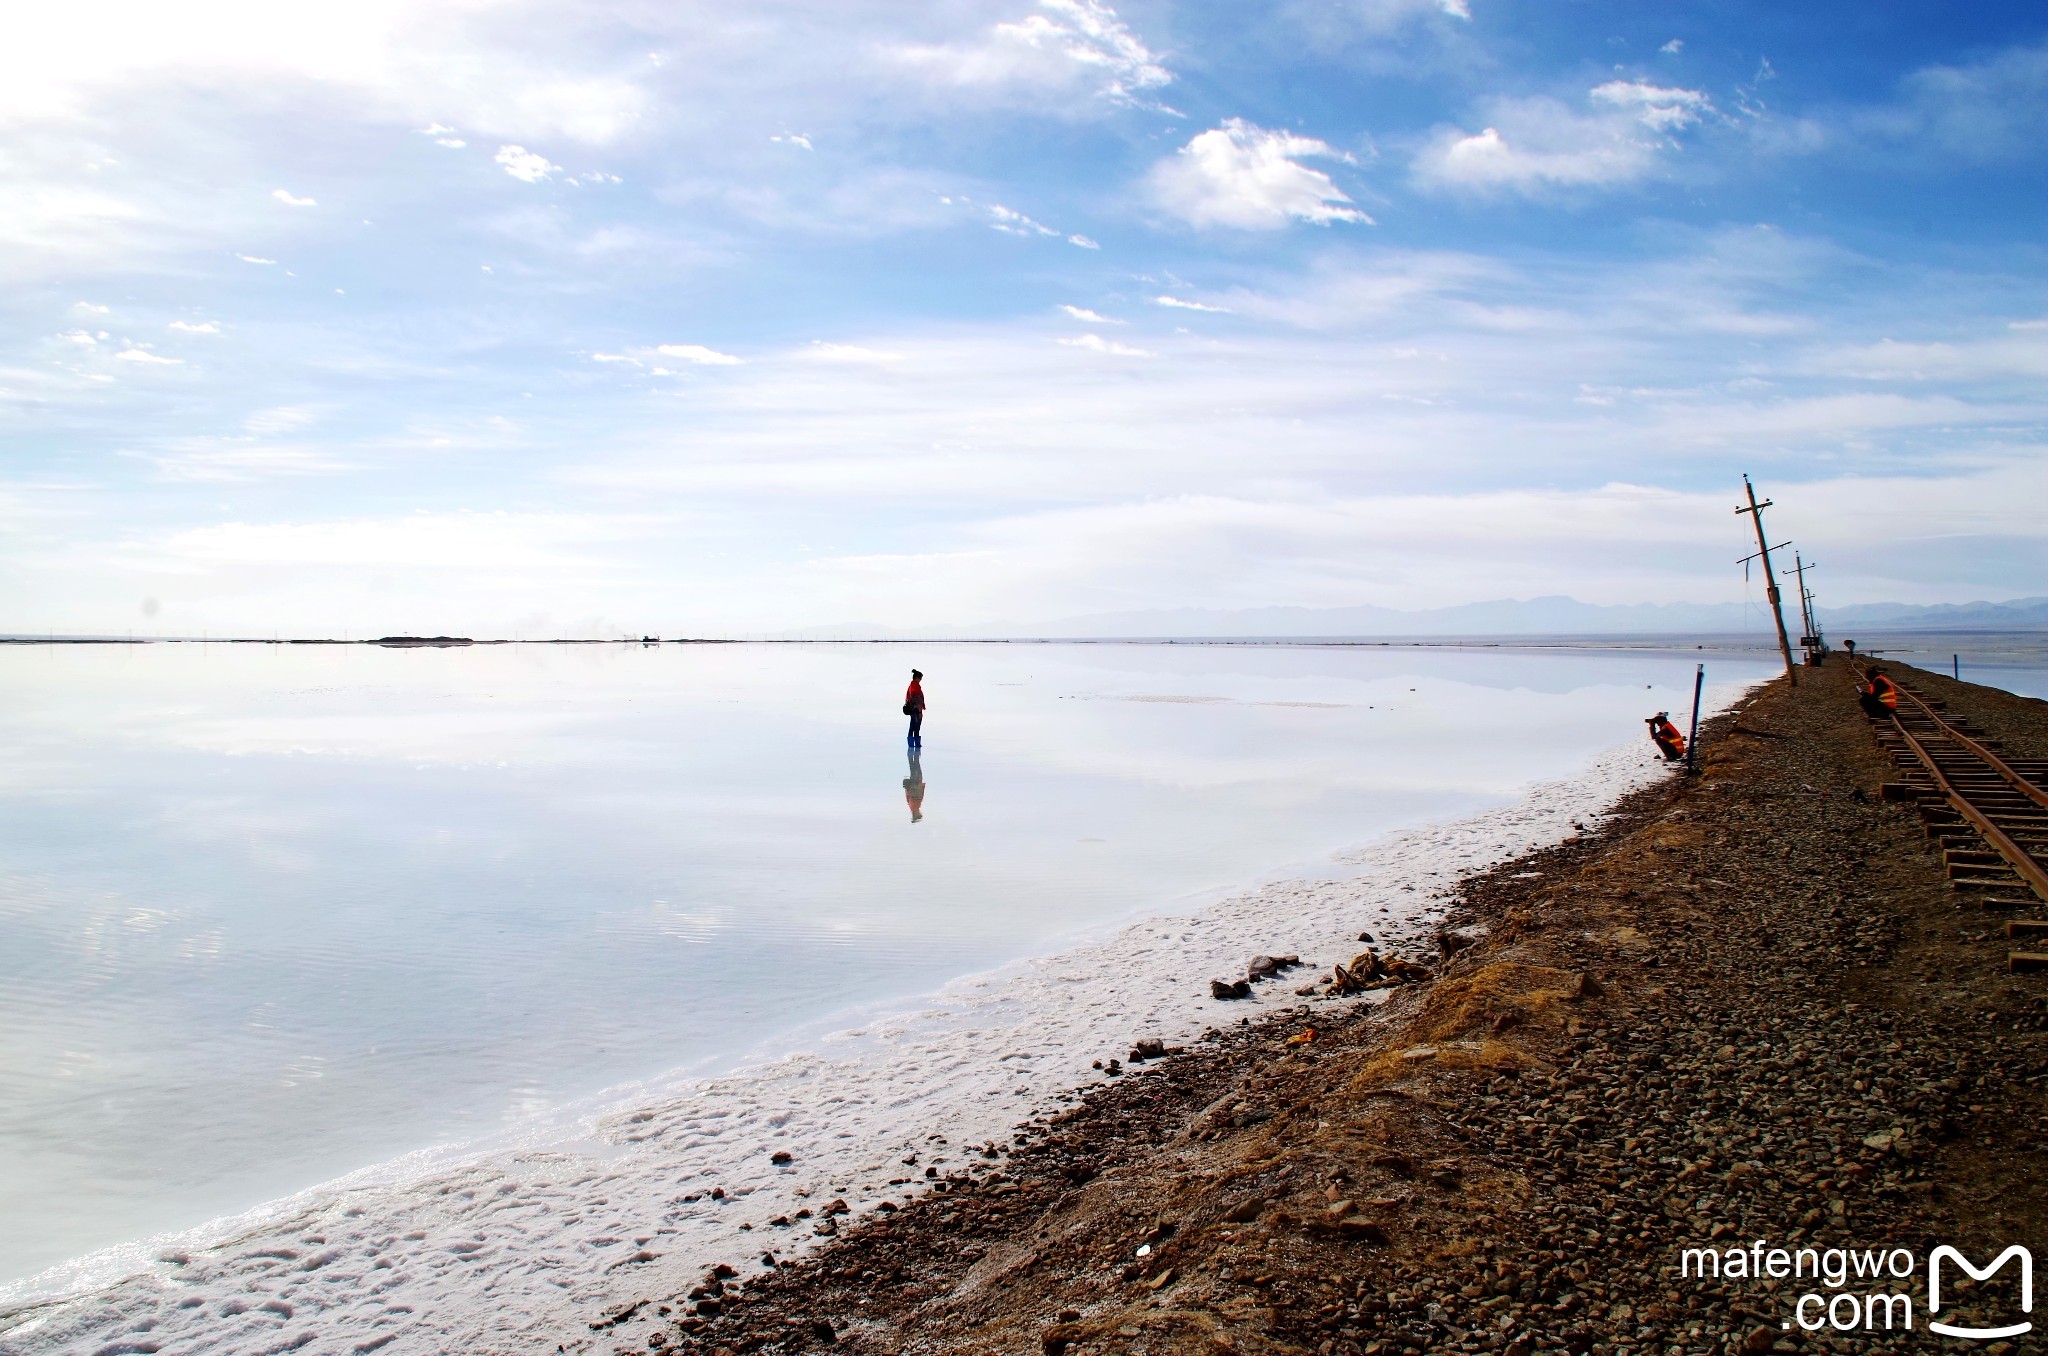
275	915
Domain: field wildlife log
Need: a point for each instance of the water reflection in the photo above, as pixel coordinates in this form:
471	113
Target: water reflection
913	785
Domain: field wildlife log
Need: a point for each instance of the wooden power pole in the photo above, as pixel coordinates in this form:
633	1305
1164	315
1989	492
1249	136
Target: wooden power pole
1763	546
1812	641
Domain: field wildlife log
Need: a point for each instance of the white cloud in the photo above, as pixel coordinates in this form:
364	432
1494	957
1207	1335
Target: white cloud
1991	110
1535	145
2021	352
1609	542
61	56
285	196
848	353
253	259
57	221
1343	19
1673	47
89	307
202	327
1659	108
281	419
401	59
452	143
1177	304
1083	242
525	165
83	338
456	541
1070	45
1370	459
1082	313
793	139
240	465
1095	343
697	353
1016	223
136	355
1242	175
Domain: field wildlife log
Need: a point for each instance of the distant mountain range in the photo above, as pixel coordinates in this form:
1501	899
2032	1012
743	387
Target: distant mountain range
1549	616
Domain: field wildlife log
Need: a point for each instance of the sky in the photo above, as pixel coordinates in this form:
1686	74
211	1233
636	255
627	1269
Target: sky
504	318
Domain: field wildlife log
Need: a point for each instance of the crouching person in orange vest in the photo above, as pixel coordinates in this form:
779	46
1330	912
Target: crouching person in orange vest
1666	736
1880	696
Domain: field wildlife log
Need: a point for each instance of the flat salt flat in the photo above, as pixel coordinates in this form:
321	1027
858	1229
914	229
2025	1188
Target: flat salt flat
514	951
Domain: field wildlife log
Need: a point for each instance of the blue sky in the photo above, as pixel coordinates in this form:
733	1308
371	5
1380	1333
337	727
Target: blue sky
517	318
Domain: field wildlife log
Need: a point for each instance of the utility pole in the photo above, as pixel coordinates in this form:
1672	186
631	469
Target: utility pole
1812	641
1756	515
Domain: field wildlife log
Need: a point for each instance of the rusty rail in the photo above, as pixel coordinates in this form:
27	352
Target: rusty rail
2018	858
2015	854
1999	765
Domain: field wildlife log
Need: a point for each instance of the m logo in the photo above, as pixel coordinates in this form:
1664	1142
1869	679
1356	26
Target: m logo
1934	1290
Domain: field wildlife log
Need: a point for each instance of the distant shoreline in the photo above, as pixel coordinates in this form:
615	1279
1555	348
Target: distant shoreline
1708	641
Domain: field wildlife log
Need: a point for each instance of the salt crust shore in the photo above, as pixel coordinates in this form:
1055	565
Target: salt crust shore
500	1249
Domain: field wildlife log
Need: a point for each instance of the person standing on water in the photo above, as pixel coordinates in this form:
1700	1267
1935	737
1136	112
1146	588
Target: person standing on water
913	706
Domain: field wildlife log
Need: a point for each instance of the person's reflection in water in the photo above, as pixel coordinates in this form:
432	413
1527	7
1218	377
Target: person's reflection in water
913	787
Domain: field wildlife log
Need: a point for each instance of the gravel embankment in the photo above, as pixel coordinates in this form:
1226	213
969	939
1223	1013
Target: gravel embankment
1749	1008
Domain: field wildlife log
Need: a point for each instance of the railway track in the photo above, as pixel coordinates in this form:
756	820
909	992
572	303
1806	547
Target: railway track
1986	812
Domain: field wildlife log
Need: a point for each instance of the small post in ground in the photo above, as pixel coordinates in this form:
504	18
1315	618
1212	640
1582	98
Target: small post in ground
1692	740
1955	664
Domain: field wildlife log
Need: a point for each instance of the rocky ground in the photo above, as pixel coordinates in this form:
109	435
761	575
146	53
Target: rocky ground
1748	1008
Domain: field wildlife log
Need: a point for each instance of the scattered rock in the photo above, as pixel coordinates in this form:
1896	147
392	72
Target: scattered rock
1266	967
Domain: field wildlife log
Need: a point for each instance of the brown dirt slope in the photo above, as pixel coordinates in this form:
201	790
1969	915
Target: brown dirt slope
1749	1008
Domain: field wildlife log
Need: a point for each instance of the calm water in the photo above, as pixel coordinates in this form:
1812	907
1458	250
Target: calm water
2014	660
270	914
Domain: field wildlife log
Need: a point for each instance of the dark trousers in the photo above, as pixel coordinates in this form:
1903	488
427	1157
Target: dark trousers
917	723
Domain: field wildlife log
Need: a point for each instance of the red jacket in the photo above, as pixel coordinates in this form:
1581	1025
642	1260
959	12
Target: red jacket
913	696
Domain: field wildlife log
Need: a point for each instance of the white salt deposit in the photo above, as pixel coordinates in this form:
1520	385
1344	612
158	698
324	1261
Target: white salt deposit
518	1246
